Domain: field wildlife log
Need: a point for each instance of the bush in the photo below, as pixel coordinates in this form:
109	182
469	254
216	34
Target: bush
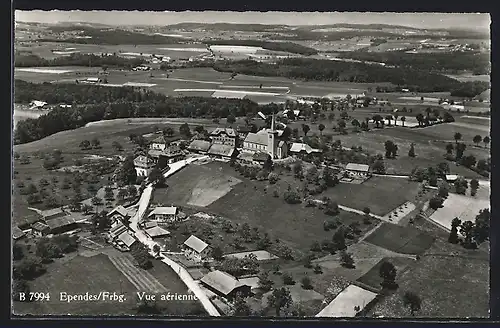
288	279
272	177
292	197
306	283
435	203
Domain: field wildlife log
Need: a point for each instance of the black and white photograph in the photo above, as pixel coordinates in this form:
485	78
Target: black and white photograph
196	164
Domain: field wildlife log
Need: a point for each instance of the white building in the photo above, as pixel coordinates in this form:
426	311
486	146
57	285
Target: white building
266	141
358	170
143	165
164	214
196	249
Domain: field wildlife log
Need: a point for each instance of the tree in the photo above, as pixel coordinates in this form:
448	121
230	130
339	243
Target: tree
47	250
477	139
117	146
420	119
20	287
467	230
231	119
84	145
460	149
391	149
412	301
279	299
156	249
338	239
449	148
306	283
96	144
240	307
474	185
443	191
140	253
265	283
457	137
377	119
389	119
156	177
388	274
168	131
482	226
331	208
132	191
346	260
379	167
185	131
461	185
288	279
217	253
321	127
17	252
435	203
318	269
411	152
28	268
403	120
486	141
122	194
305	129
453	237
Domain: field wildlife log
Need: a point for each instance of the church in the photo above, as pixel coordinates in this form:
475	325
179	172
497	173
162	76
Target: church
267	141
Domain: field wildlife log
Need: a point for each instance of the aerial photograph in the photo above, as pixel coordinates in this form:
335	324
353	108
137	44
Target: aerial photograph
251	164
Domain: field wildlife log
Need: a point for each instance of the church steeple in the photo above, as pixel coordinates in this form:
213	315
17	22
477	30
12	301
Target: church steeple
272	139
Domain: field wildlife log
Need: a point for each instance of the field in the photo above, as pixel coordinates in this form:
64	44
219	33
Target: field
297	225
405	240
451	281
380	194
95	274
466	208
372	277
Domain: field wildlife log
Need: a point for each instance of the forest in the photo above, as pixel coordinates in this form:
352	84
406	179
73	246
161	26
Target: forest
326	70
269	45
450	62
94	103
76	59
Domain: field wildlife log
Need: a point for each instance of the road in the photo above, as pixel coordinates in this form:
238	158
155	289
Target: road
146	240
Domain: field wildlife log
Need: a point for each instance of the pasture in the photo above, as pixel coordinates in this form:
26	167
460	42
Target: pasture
444	270
399	239
372	277
380	194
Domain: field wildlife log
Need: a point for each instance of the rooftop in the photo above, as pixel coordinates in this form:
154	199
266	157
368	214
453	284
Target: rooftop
343	305
143	161
223	150
170	210
230	132
39	226
60	222
221	281
200	145
157	231
196	244
256	138
149	224
117	230
357	167
300	147
55	212
127	239
119	210
17	233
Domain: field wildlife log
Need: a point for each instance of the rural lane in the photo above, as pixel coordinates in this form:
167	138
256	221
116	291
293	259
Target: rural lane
146	240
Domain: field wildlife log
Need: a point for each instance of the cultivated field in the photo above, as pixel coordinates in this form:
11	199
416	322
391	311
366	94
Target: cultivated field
380	194
399	239
451	281
372	277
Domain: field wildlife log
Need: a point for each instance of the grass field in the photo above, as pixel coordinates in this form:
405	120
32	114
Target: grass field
372	277
405	240
380	194
444	270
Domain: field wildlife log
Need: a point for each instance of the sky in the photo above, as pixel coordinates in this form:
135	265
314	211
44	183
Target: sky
473	21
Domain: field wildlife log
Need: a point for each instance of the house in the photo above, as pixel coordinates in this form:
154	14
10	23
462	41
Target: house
451	177
93	80
116	230
159	143
143	165
222	151
157	232
267	141
40	229
303	149
37	104
195	249
125	241
167	155
224	136
17	233
62	224
119	214
358	170
199	146
53	213
224	284
164	214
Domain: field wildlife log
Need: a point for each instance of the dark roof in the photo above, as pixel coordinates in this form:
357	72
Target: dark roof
160	140
228	131
117	230
60	222
223	150
200	145
244	129
53	213
39	226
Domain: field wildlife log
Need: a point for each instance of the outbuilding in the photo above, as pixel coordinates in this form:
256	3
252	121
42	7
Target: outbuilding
225	285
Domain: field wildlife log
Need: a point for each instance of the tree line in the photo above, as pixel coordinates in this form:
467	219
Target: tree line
77	59
94	103
474	61
327	70
269	45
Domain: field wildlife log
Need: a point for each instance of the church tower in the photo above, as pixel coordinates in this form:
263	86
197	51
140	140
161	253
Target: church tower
272	139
